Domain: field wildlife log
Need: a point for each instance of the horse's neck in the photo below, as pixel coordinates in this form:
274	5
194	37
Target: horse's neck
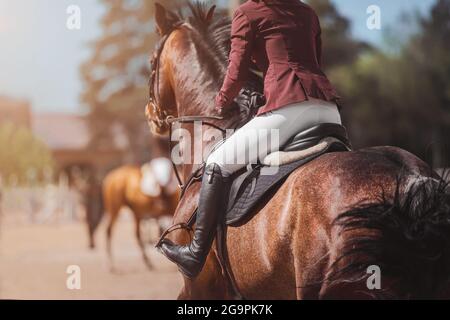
198	100
204	137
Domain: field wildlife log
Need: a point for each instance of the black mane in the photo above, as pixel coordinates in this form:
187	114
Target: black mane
408	239
215	34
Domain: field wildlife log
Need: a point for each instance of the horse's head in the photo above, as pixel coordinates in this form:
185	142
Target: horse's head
173	61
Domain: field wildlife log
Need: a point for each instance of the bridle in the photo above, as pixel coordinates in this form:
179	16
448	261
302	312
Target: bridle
161	115
162	118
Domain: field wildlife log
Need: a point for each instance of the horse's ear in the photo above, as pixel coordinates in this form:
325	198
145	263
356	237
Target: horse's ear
162	23
210	14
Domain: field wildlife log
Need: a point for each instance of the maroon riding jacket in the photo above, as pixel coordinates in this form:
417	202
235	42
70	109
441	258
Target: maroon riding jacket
283	38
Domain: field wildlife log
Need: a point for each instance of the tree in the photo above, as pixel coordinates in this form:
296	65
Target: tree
403	98
21	154
428	53
116	75
339	48
386	108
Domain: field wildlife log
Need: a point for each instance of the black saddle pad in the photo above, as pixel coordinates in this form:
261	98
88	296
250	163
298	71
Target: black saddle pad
249	188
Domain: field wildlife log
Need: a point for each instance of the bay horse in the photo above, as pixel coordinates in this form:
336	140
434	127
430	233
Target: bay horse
122	188
320	233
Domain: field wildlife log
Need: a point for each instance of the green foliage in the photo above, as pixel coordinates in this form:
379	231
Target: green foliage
382	104
22	155
403	99
430	51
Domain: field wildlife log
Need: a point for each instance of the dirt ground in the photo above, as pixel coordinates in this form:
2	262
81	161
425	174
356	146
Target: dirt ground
34	261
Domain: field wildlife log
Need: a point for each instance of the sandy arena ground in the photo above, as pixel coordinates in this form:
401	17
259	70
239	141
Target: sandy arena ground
34	260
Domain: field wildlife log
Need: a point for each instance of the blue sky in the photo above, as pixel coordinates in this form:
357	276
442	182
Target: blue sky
39	56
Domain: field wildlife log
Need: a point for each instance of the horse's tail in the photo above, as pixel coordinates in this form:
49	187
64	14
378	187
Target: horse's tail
407	237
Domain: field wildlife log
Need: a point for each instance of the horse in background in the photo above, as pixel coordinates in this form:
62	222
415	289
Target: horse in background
150	191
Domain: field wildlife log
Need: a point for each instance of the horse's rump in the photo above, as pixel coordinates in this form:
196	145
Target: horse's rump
302	243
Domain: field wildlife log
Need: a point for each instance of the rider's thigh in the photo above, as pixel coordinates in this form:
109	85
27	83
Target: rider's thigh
269	132
249	143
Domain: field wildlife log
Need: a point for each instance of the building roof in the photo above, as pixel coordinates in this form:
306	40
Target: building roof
61	131
15	111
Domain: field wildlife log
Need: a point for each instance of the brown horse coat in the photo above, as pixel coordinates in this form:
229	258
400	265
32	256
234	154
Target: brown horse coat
328	222
122	188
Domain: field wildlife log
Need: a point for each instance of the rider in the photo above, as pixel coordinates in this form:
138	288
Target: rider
283	38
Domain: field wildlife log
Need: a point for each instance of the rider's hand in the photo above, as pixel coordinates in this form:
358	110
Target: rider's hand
220	110
219	105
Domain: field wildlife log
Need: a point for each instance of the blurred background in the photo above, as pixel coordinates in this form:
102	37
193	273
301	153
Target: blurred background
71	110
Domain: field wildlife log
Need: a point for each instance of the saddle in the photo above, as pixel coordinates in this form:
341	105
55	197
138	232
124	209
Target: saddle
251	185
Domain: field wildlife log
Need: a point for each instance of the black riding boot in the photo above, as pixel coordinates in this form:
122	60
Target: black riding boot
191	258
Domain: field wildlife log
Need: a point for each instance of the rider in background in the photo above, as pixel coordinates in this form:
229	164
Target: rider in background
283	38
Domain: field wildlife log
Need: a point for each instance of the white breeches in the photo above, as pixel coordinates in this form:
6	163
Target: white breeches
268	132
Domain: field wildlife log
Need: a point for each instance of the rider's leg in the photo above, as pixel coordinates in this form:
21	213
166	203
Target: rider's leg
287	121
191	258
